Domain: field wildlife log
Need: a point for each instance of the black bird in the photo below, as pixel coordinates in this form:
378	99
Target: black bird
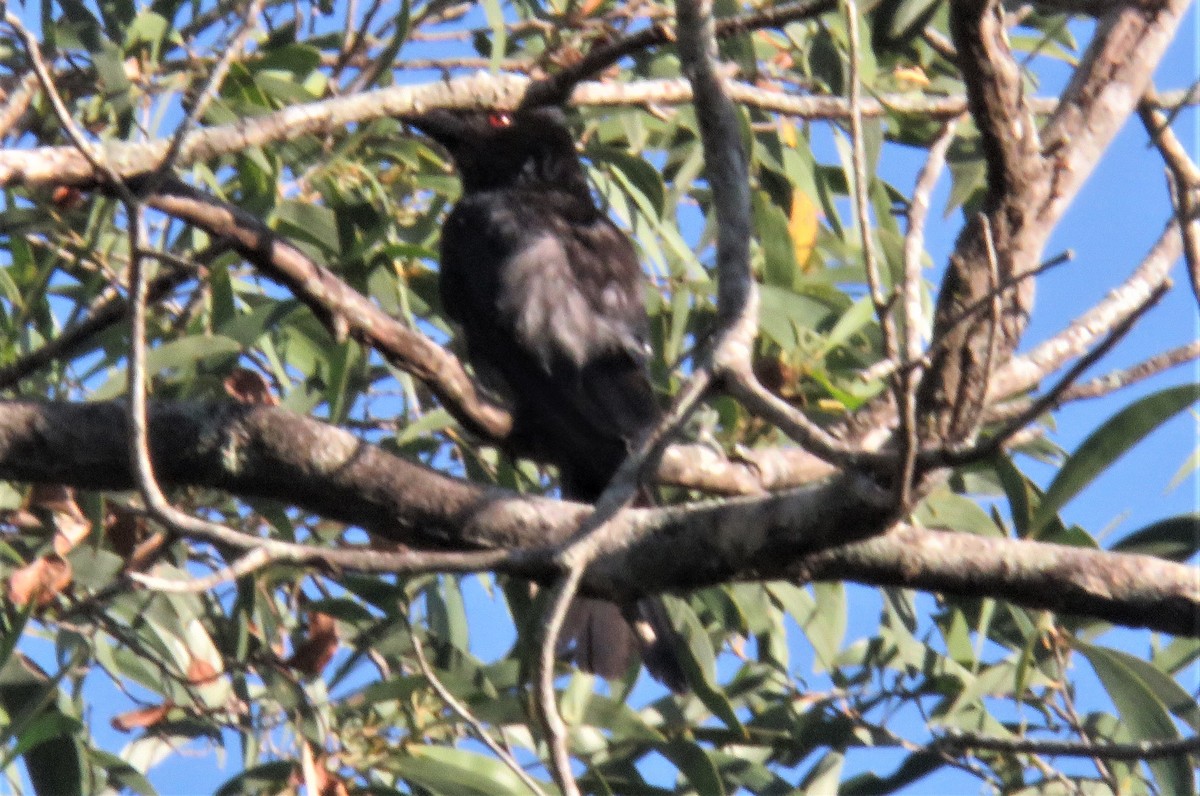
549	295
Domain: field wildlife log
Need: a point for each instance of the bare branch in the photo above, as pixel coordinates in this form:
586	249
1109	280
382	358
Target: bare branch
914	238
1025	371
1110	382
1185	183
1133	752
1112	76
18	102
256	559
1054	395
65	166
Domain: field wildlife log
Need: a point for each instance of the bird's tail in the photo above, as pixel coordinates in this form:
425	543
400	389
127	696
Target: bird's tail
599	638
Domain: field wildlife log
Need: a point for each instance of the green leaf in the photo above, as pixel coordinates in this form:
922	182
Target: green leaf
494	12
447	615
826	627
1170	693
1106	444
305	221
946	509
273	776
782	313
693	762
899	20
455	772
853	320
914	767
825	775
1174	538
1144	717
179	355
638	175
779	255
699	663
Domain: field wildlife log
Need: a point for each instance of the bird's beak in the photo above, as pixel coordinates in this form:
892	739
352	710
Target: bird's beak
441	125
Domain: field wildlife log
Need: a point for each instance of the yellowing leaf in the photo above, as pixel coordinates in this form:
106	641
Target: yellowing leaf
911	74
787	134
802	226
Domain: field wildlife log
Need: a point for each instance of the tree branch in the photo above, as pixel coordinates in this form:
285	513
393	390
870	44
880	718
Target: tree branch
1025	371
1133	752
808	533
340	307
64	165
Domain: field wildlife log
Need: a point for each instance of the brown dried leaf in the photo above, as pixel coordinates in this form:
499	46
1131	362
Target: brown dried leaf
249	387
68	533
21	519
71	525
55	498
124	529
142	717
39	581
318	646
145	553
66	197
201	671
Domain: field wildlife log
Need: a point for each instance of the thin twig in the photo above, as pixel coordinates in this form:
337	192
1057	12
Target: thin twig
465	713
858	157
233	49
1066	698
993	444
547	700
914	237
251	562
909	377
1109	382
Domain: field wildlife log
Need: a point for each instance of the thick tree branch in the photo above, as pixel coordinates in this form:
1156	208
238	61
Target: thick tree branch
270	453
64	165
1105	88
339	306
1134	752
954	389
1029	187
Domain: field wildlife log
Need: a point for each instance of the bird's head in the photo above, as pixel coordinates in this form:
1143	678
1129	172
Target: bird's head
527	147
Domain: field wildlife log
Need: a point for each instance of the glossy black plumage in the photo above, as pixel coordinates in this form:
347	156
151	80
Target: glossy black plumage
549	295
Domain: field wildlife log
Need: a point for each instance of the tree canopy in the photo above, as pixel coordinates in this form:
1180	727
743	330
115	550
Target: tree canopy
257	508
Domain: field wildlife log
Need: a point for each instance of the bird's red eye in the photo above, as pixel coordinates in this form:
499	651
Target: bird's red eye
499	119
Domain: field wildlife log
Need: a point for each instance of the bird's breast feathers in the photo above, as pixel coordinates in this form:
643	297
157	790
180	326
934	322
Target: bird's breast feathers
559	315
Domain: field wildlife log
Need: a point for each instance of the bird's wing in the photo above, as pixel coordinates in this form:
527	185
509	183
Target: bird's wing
552	303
